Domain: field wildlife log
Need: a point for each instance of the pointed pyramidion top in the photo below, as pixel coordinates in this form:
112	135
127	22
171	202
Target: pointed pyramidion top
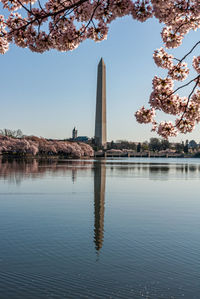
101	61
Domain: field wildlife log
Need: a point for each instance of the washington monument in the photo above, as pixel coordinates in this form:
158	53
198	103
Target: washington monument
100	121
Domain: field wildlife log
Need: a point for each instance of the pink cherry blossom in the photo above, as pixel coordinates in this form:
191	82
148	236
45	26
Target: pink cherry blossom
179	72
145	115
167	129
64	25
170	38
185	125
196	97
163	59
196	64
31	145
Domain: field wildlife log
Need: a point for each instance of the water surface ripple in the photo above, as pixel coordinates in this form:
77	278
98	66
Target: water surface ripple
117	228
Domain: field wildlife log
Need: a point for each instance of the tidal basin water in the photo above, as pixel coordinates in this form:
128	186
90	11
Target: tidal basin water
100	229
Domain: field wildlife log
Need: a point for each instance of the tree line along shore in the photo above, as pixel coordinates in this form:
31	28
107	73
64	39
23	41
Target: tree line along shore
14	143
154	148
35	146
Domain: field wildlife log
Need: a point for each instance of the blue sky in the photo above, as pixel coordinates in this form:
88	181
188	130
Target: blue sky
47	94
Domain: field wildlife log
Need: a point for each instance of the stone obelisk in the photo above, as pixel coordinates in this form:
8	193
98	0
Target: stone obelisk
100	121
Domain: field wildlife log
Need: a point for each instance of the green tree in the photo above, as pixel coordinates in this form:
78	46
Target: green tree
145	146
165	144
192	144
155	144
179	147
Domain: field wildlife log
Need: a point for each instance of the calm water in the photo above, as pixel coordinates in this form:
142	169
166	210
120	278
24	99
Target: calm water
100	229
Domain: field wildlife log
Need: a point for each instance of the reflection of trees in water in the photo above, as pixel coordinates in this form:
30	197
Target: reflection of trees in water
155	169
99	202
152	168
17	170
192	168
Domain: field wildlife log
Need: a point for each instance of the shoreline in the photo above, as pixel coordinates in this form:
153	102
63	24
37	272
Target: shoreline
97	155
145	155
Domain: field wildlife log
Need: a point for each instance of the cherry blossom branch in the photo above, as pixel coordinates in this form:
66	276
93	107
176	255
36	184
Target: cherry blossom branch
186	55
182	86
47	15
70	22
24	7
189	97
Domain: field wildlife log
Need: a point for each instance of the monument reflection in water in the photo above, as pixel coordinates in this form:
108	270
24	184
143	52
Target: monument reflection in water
99	203
18	170
52	228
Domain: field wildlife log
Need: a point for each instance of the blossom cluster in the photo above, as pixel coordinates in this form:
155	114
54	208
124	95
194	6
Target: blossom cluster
166	129
196	64
145	115
32	145
179	18
163	98
163	59
64	24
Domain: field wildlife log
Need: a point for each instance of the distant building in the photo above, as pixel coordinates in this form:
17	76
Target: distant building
192	144
77	138
74	133
82	138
